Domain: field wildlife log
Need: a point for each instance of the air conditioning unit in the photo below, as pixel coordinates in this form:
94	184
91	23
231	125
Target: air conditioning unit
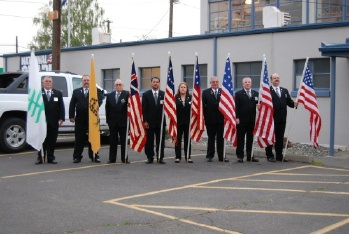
100	37
273	17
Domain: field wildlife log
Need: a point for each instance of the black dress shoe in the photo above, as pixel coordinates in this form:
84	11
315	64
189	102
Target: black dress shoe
110	162
149	161
126	162
190	161
52	162
77	160
209	160
240	160
271	160
224	160
162	161
97	160
38	162
252	160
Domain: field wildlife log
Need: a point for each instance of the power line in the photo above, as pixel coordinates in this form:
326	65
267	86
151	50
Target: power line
17	16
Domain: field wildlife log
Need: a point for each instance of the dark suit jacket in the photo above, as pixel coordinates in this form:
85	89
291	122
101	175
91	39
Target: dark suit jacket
153	113
54	108
245	107
78	107
116	113
183	112
280	104
210	105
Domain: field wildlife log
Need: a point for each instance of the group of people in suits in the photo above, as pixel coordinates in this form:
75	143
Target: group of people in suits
246	103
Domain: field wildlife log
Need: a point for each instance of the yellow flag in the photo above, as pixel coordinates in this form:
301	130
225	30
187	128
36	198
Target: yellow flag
93	115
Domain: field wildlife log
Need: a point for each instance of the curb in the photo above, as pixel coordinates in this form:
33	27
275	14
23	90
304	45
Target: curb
257	153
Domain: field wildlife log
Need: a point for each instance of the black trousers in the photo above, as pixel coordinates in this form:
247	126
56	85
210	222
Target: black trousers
115	133
215	131
279	129
149	145
81	130
182	130
49	144
244	129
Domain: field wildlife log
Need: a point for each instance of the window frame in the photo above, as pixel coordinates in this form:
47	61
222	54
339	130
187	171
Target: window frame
320	92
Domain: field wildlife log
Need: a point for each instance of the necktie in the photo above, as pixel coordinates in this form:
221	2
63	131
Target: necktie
249	93
215	94
117	97
156	98
278	92
48	94
86	92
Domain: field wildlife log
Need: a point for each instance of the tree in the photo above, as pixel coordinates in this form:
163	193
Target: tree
85	15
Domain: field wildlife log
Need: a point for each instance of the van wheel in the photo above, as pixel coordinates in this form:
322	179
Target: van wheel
12	135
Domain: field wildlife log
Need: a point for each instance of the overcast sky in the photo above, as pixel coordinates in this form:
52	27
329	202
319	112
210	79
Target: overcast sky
131	20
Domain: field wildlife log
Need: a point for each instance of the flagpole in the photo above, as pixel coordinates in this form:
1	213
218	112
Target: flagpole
69	23
128	123
259	100
224	140
162	119
190	118
42	154
294	109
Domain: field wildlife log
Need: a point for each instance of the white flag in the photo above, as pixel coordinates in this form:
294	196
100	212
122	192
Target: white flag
36	119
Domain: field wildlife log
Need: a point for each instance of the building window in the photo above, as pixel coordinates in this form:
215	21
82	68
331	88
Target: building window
243	15
146	74
247	69
109	77
319	68
329	10
188	74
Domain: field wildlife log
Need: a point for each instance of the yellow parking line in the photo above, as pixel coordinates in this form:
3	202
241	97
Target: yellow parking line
173	217
242	211
270	189
295	181
332	227
308	174
52	171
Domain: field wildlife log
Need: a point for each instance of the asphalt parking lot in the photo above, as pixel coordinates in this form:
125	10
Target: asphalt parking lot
202	197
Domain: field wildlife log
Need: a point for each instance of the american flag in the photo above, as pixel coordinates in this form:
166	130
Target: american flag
197	126
264	127
170	103
227	105
134	112
308	98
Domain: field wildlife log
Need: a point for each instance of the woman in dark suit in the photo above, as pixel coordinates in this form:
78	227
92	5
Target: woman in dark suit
183	105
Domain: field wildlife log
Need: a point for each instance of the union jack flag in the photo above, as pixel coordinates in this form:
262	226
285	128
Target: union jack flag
264	127
308	98
197	126
135	113
227	105
170	103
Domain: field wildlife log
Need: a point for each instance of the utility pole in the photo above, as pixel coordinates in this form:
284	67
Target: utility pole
56	36
170	25
108	24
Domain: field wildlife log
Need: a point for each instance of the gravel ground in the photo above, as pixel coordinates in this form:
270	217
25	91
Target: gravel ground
293	148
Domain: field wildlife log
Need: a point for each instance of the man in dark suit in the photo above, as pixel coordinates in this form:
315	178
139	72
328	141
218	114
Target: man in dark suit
246	100
55	116
281	99
152	106
78	114
214	120
116	113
